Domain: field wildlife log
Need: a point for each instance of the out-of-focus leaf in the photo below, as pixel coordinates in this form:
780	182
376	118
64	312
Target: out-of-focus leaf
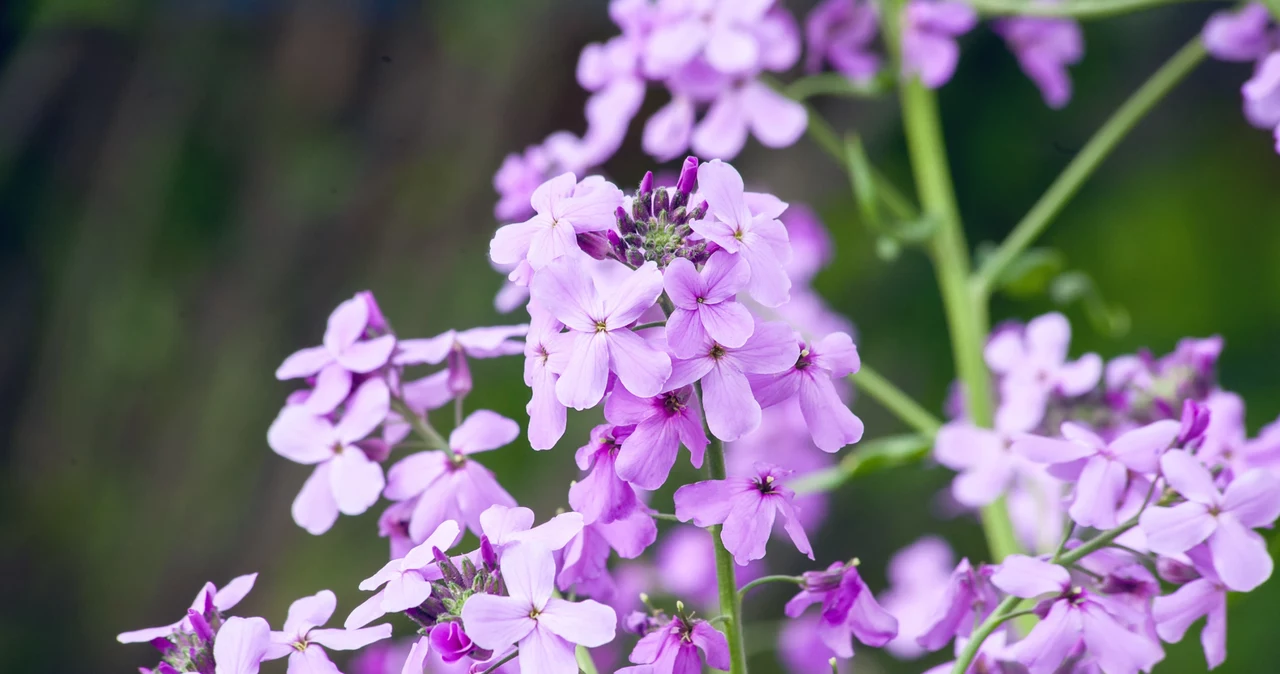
863	181
1030	273
1077	286
835	84
869	457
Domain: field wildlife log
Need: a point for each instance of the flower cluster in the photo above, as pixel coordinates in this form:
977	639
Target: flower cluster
1248	34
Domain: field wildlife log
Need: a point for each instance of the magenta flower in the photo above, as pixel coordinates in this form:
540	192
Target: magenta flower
831	423
304	643
849	609
918	575
841	32
545	628
602	338
406	582
346	479
454	347
704	306
746	507
602	496
1239	35
760	239
662	423
344	351
448	484
731	408
241	645
1101	470
209	597
450	641
673	648
1202	597
1033	366
546	355
1045	47
1225	519
1072	616
929	32
565	208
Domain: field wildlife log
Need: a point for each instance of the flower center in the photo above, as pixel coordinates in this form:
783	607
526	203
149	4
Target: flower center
717	352
601	327
766	484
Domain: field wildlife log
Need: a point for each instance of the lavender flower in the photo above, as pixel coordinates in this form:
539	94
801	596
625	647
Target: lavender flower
565	208
304	643
602	495
929	32
829	420
453	347
1239	35
1045	47
849	609
661	424
1033	366
673	648
840	32
918	574
345	351
704	306
208	598
405	583
746	507
546	356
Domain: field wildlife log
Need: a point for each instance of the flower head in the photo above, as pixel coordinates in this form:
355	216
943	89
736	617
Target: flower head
849	609
674	647
303	641
1045	47
841	32
929	32
661	424
830	421
746	507
565	208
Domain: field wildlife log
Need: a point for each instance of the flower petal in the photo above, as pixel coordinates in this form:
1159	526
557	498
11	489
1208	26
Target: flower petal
1174	530
350	640
241	644
1254	498
1189	477
356	481
314	508
482	431
1027	577
1239	555
582	383
495	622
586	623
346	324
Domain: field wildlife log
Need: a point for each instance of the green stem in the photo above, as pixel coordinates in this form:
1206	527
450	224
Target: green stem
1090	156
885	452
1079	9
893	399
585	663
726	574
1098	542
1003	612
666	517
795	580
826	137
966	316
419	425
497	665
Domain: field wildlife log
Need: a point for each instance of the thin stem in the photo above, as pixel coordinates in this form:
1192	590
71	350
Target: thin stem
1079	9
1066	538
495	666
666	517
966	317
795	580
726	574
457	411
1098	542
1004	611
585	663
895	400
826	137
419	425
1083	165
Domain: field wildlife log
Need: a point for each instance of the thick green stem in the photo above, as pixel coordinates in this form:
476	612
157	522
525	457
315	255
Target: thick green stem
966	316
1079	9
726	574
1083	165
893	399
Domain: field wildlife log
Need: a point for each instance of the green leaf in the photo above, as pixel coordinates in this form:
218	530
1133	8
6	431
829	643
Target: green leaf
836	84
1078	287
1274	6
869	457
1030	274
863	181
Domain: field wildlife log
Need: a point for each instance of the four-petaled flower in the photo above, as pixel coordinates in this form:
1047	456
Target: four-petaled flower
565	208
746	507
343	352
304	644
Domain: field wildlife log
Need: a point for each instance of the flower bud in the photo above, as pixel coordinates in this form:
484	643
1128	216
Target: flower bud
688	175
1174	571
450	641
595	244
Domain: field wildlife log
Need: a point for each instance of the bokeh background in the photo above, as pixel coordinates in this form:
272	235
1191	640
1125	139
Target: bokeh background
187	187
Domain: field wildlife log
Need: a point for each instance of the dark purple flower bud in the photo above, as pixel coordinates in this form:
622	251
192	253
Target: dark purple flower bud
377	321
640	208
487	554
1176	572
646	183
166	668
200	626
624	223
376	449
450	641
688	175
823	581
660	201
1163	408
699	212
614	239
595	244
637	622
635	258
1195	419
459	380
163	645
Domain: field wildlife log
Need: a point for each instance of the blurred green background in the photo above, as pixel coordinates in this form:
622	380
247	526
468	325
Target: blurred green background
188	187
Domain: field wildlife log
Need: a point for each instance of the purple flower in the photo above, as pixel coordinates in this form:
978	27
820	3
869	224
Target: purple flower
454	347
746	507
811	247
968	599
918	574
704	306
450	641
775	120
503	526
1032	364
981	456
565	208
1045	47
760	239
346	478
602	338
685	566
661	423
241	645
546	355
209	596
1203	597
521	174
1101	470
802	650
448	484
929	31
602	496
848	609
830	421
420	396
586	557
1239	35
841	32
304	643
1225	519
731	409
406	582
545	628
1262	95
673	648
344	351
1070	617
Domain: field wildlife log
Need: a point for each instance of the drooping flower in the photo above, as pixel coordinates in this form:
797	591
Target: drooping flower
929	32
404	583
1045	47
449	484
1071	616
849	609
346	478
344	351
304	642
1032	364
760	239
1223	519
209	596
565	208
662	423
1101	470
841	33
731	408
1239	35
831	423
544	627
1206	597
673	648
747	508
918	574
704	305
603	341
455	346
968	599
602	495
